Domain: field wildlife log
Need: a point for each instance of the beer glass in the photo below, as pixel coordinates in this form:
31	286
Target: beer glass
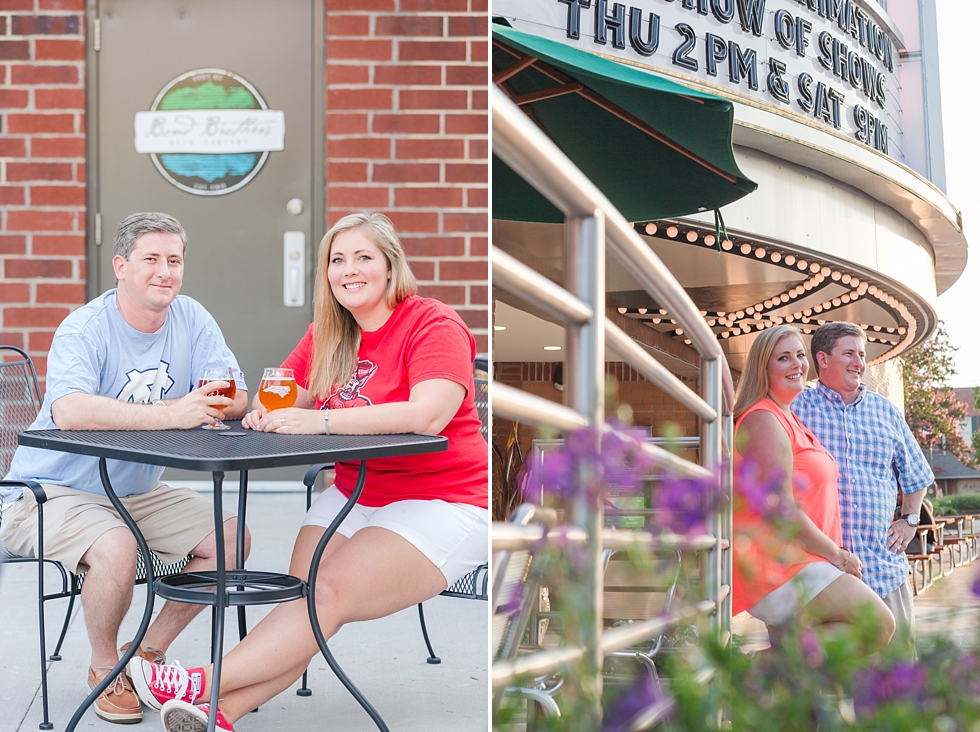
278	389
218	373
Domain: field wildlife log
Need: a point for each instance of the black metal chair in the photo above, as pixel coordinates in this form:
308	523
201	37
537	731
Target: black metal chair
20	401
472	586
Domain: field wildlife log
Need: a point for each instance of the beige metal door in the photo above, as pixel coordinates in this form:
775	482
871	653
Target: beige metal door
211	110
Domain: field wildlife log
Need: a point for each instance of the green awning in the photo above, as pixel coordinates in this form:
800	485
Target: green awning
655	148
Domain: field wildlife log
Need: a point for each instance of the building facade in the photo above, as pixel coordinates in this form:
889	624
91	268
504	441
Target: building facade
838	120
388	113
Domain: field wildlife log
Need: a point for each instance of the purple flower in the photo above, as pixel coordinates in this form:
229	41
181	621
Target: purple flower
874	687
684	503
623	459
644	693
813	654
613	460
962	671
975	588
555	472
764	493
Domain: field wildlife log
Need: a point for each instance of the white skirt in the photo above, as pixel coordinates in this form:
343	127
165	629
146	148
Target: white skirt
787	600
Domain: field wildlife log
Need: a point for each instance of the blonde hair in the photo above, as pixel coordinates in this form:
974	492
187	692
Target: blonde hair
336	335
754	384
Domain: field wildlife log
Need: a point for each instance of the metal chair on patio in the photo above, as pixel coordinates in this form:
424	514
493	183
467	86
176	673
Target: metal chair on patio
472	586
20	401
517	577
636	593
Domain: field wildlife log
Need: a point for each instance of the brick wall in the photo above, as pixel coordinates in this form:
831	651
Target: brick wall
407	131
407	135
42	169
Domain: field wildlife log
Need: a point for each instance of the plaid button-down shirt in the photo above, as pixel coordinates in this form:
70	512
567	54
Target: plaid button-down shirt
872	444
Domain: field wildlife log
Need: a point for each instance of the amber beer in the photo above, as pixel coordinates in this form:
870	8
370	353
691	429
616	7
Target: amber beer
277	389
228	391
218	373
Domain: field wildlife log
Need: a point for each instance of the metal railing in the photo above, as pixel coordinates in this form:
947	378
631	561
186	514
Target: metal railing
592	224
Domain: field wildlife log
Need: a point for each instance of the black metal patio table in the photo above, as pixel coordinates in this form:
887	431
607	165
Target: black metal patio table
218	452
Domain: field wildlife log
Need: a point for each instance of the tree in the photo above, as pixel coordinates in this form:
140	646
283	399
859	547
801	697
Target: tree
976	434
931	407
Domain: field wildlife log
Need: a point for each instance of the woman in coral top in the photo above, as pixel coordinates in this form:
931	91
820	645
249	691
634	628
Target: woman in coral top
378	359
787	558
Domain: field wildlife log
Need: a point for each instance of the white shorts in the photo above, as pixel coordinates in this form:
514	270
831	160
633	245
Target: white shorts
787	600
453	536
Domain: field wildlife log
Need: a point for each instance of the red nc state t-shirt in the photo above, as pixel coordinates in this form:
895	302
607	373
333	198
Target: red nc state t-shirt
423	339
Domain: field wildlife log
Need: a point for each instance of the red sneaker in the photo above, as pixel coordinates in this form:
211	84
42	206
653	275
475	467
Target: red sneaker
181	716
157	684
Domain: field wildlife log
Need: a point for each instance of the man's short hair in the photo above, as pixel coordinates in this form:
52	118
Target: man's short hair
826	336
137	224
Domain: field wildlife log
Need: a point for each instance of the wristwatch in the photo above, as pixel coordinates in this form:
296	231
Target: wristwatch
912	519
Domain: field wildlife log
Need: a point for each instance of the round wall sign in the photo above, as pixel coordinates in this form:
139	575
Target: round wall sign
209	132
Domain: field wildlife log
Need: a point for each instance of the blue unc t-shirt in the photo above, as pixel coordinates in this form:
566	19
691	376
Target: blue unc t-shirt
95	351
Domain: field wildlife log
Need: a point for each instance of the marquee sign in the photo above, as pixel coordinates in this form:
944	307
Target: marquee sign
827	60
209	132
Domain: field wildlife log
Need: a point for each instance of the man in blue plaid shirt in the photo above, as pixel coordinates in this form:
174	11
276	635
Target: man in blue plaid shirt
873	446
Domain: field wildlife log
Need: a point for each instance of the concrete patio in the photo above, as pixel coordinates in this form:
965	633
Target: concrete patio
385	658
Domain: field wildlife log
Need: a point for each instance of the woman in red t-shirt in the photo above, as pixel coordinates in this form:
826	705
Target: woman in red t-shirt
787	558
377	359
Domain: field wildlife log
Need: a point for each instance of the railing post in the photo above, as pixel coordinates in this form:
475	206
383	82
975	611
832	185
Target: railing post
711	458
585	252
725	611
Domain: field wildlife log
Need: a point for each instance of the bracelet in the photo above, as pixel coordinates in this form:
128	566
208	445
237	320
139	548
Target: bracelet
326	421
846	561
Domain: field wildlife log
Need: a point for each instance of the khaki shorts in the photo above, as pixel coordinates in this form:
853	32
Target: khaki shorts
900	603
172	520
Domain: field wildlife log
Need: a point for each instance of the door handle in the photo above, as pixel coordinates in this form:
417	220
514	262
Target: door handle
293	269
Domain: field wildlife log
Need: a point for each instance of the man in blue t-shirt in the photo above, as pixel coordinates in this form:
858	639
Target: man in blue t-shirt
130	359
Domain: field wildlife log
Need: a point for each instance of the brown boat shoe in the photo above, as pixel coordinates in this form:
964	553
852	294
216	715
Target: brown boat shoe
118	703
153	655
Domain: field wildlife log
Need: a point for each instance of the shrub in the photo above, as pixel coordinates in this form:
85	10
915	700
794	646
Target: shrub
949	505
